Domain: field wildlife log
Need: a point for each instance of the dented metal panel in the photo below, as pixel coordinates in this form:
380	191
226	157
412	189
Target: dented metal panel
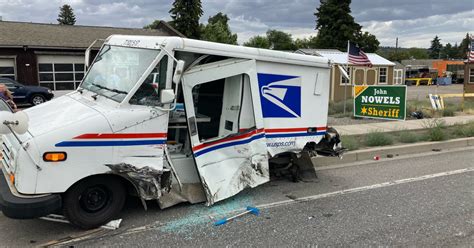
227	165
149	182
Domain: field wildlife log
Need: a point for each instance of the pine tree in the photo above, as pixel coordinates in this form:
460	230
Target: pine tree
435	48
336	26
185	15
463	48
66	15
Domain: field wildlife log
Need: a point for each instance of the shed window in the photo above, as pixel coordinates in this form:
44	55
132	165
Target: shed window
383	75
471	75
344	80
398	76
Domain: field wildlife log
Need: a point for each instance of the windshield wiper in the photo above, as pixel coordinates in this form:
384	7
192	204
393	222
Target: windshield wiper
109	89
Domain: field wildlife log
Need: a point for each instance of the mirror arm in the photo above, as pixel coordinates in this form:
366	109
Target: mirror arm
88	52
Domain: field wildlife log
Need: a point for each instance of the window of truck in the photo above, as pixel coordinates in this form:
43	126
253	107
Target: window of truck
117	69
149	91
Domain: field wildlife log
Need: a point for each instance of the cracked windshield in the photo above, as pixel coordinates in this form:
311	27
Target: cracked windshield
117	69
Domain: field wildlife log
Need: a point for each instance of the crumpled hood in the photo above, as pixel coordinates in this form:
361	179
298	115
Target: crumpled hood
58	113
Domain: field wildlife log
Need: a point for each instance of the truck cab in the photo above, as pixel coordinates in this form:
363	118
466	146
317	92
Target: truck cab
166	119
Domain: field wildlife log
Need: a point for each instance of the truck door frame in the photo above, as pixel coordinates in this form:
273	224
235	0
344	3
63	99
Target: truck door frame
230	164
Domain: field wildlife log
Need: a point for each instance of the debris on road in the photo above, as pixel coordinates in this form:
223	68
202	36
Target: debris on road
417	115
376	158
112	225
252	210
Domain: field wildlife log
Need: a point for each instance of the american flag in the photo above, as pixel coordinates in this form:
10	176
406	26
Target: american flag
356	56
470	55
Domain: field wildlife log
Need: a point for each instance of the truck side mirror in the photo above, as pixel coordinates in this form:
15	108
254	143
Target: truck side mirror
178	72
167	96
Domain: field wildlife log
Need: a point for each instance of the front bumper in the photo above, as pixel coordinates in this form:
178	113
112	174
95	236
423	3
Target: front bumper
26	208
49	96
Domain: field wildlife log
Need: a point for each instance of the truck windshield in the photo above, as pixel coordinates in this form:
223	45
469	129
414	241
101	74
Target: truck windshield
117	69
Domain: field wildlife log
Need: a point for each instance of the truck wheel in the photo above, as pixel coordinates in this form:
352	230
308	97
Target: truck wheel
94	202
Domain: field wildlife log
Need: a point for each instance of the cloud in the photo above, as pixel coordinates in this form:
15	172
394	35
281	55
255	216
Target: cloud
415	22
419	32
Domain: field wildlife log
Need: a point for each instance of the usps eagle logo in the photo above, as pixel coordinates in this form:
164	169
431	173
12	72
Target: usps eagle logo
280	95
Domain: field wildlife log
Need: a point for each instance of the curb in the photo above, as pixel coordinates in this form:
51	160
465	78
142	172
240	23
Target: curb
382	152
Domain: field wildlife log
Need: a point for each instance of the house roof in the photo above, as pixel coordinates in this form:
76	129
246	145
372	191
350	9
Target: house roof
42	35
339	57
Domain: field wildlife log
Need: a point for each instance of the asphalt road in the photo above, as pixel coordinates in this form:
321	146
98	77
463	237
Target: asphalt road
426	200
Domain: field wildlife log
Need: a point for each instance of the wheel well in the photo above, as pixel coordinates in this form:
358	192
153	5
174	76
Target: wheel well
131	189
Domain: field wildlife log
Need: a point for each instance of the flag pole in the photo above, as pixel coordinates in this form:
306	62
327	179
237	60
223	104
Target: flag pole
349	79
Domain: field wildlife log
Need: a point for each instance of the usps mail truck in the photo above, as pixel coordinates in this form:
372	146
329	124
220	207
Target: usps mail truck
166	119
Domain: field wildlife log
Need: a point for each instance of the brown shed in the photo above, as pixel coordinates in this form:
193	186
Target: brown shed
381	72
469	77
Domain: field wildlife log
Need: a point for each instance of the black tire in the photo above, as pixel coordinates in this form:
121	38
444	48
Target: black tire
94	202
37	99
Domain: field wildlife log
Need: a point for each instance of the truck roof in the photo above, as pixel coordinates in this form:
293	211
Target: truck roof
206	47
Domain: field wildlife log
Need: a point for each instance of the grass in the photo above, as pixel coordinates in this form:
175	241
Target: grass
435	130
407	137
448	111
350	142
377	138
337	108
466	130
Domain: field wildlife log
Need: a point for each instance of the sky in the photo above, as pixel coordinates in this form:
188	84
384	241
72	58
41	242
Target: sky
414	22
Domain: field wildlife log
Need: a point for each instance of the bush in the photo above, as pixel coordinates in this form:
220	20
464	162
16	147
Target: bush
449	111
465	130
350	143
377	138
435	130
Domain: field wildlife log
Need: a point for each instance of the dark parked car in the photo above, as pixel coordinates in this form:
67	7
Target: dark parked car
25	94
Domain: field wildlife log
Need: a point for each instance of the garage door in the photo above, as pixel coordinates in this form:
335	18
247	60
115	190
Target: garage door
60	72
7	68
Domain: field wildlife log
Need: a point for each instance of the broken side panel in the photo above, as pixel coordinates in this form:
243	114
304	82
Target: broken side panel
229	150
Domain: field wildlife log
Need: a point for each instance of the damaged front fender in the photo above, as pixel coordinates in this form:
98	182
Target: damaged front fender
150	183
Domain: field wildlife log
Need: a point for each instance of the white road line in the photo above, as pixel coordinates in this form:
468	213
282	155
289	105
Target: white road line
364	188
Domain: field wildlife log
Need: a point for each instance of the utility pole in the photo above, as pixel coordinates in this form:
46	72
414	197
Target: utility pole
396	46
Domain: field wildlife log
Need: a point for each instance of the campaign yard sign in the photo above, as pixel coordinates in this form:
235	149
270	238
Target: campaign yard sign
380	102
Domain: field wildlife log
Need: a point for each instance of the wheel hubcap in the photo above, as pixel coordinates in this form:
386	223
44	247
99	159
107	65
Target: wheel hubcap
37	100
94	199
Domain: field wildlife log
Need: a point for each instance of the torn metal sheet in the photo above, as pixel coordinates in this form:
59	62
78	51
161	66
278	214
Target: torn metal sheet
149	182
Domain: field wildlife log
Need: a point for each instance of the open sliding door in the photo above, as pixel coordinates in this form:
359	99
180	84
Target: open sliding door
226	127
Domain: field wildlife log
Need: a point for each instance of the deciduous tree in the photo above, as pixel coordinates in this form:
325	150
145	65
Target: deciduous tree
280	40
258	42
218	30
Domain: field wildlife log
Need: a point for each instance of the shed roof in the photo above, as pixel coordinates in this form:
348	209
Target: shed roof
339	57
42	35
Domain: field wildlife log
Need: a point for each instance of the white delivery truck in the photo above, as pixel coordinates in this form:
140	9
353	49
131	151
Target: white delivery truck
167	119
